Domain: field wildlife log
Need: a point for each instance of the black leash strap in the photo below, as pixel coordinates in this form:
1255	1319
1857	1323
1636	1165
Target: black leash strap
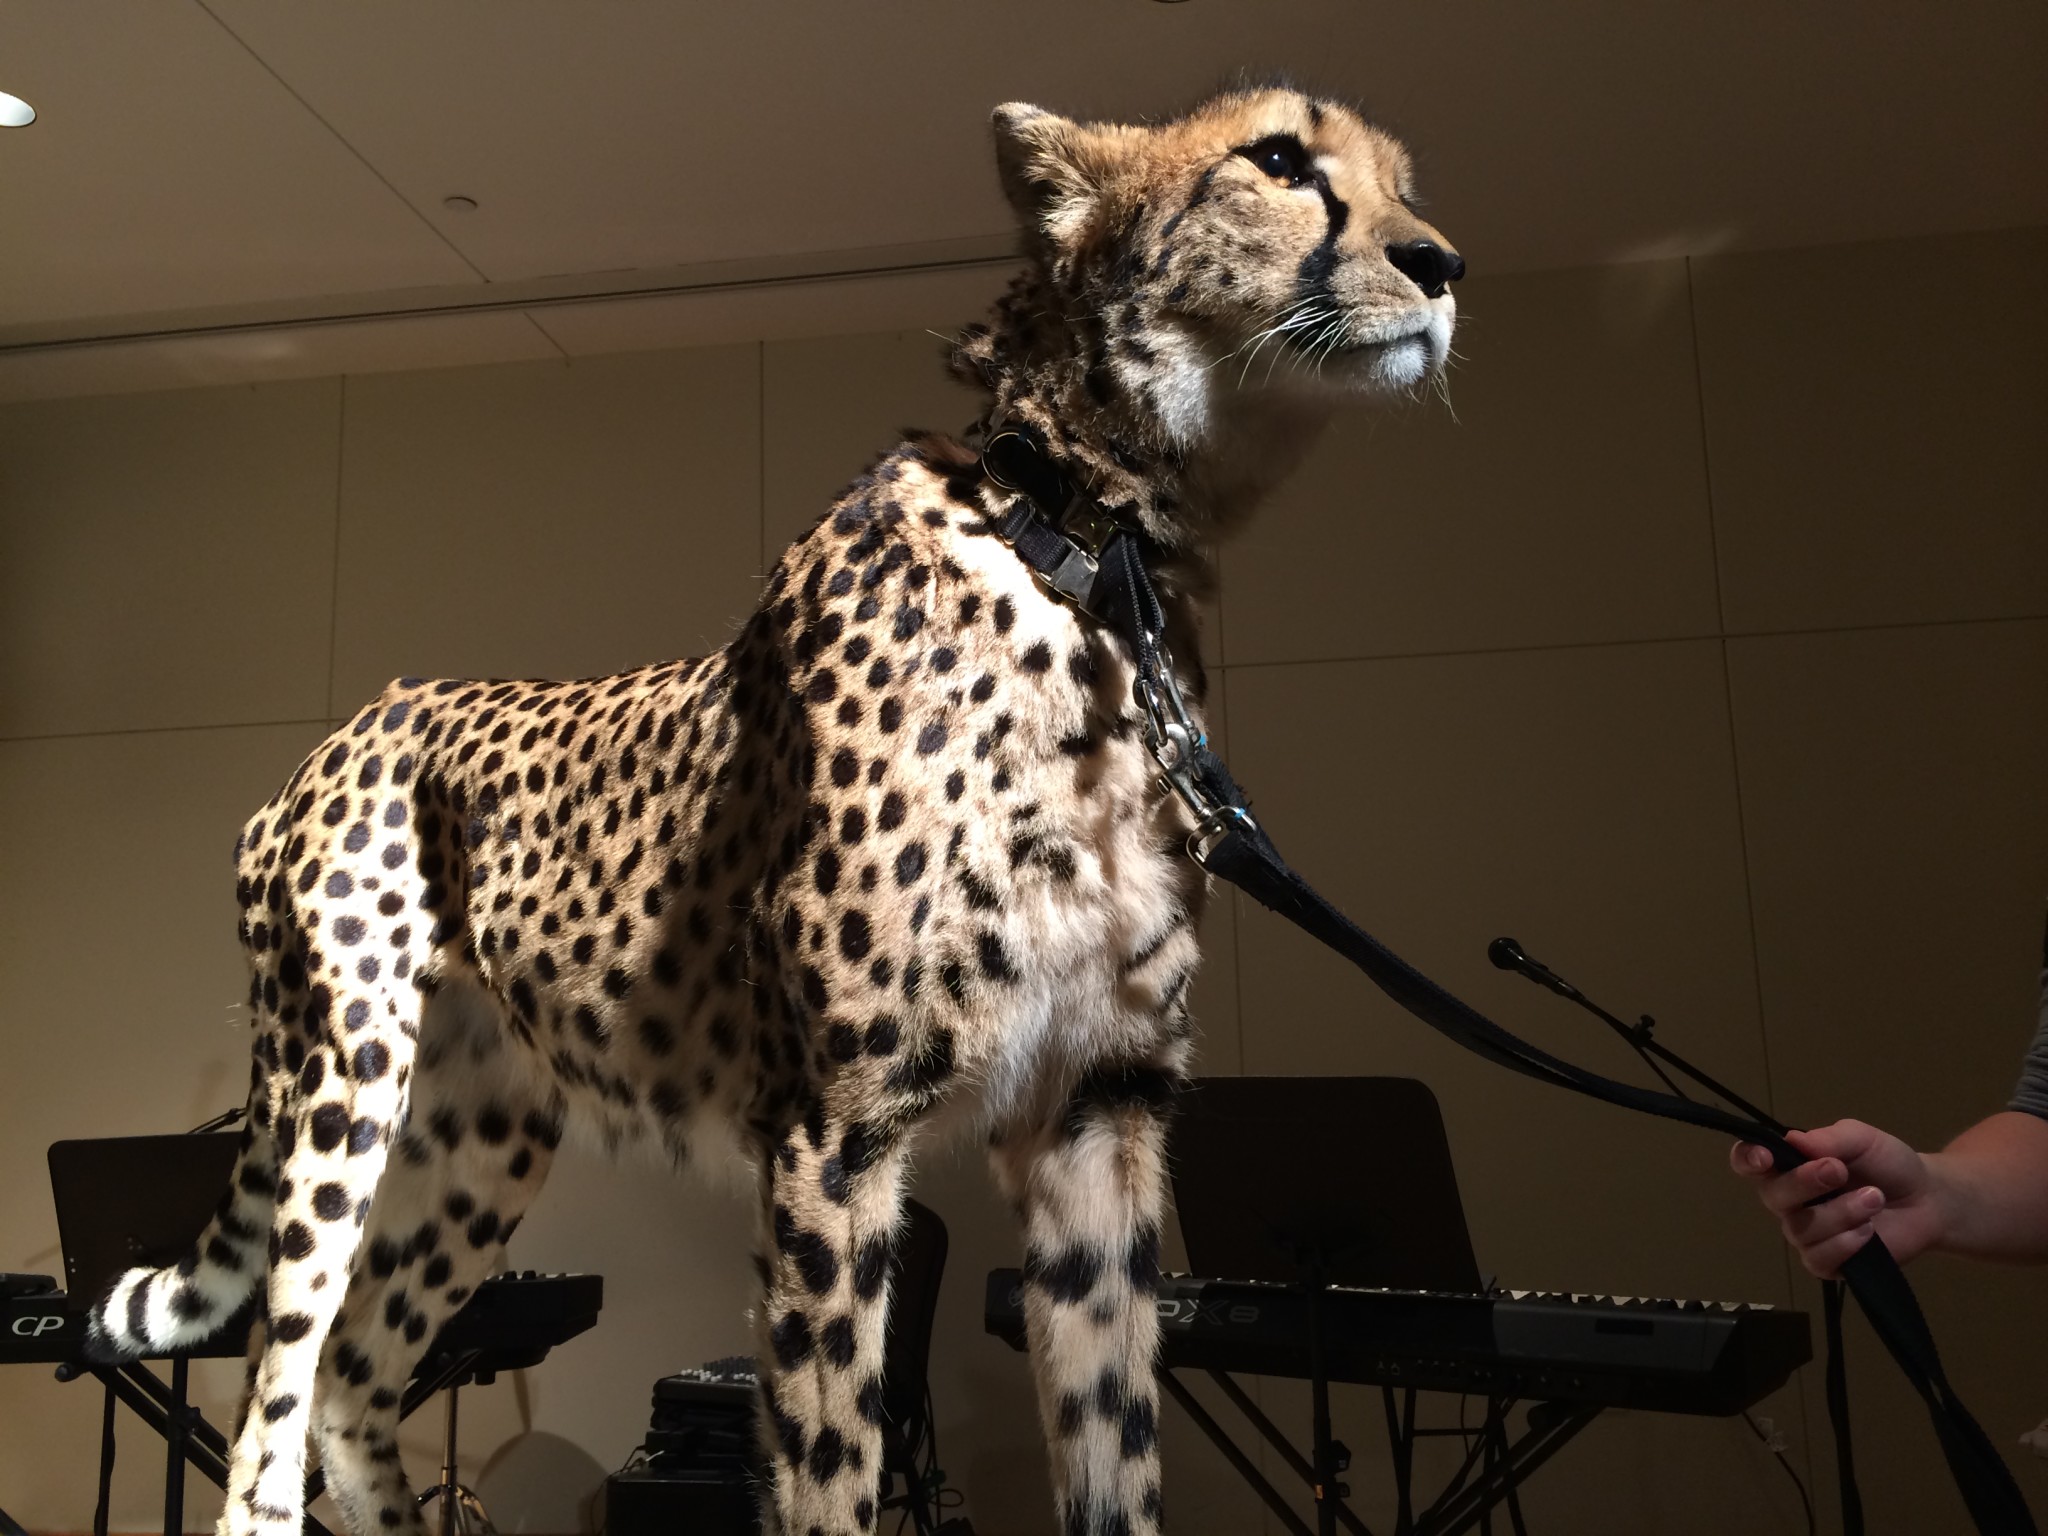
1838	1407
1085	557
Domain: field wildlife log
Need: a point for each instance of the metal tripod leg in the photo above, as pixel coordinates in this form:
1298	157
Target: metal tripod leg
1509	1470
1246	1467
462	1512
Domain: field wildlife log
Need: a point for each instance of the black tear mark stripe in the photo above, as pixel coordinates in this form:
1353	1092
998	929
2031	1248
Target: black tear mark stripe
1335	206
1320	263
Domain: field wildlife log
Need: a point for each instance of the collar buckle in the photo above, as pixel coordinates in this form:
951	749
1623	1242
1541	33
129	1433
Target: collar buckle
1087	525
1060	533
1074	577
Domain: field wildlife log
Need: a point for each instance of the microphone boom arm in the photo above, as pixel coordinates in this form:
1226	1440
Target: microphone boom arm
1507	955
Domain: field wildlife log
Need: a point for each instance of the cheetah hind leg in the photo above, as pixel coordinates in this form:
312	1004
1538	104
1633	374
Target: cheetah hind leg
474	1155
411	1280
334	1144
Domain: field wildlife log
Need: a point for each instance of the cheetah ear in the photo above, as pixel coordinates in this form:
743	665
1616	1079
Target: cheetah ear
1052	168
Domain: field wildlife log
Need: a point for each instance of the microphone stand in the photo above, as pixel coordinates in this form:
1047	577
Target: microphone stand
1640	1036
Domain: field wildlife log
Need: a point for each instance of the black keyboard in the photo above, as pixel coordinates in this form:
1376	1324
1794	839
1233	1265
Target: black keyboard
1605	1351
513	1321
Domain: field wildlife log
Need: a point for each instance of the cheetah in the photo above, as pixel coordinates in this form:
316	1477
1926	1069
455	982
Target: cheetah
897	858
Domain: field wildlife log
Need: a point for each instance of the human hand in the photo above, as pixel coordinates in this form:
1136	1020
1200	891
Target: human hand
1888	1189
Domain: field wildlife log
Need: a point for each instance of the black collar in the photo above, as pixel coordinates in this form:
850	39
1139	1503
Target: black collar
1076	549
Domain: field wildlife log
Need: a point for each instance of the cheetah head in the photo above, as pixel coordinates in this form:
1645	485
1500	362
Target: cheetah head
1267	240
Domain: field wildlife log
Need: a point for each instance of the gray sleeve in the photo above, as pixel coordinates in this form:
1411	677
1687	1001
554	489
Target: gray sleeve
2031	1094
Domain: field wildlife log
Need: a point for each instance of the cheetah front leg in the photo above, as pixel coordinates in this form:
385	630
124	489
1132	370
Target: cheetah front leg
834	1198
1089	1184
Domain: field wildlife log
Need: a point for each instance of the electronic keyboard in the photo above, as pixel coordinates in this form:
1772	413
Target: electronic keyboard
512	1321
1602	1351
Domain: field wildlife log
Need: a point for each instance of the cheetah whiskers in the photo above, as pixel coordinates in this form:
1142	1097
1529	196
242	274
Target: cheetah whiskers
1281	331
1287	317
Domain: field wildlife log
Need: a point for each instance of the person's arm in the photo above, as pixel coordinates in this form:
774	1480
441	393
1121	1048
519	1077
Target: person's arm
1985	1195
1994	1183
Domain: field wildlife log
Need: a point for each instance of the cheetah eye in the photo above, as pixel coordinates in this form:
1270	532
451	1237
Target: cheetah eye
1281	157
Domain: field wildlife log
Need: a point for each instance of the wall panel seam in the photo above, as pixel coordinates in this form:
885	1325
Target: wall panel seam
1890	624
1756	966
1237	911
1699	392
761	453
324	722
334	552
1481	650
1680	639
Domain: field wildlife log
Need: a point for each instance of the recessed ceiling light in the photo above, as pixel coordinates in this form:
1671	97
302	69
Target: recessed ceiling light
14	112
459	204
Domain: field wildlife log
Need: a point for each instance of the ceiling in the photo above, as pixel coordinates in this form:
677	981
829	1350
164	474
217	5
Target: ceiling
209	177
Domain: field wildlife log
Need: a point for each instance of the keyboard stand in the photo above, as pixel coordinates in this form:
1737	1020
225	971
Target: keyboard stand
1466	1501
191	1439
1328	1459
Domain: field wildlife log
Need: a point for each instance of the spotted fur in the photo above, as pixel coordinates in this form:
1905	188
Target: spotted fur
898	846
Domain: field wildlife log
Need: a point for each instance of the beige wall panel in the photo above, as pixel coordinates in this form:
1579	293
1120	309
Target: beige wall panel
1875	464
547	520
298	352
1559	499
1893	786
831	407
944	298
1584	801
166	559
122	986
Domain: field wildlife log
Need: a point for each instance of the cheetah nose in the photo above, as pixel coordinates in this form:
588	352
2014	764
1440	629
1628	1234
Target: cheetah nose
1428	265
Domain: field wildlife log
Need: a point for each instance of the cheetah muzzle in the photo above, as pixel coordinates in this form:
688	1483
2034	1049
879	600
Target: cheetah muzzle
897	847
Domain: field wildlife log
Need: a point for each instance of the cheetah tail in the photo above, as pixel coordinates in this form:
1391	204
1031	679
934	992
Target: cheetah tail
150	1311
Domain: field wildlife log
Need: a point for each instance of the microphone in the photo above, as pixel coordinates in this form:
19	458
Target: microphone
1507	955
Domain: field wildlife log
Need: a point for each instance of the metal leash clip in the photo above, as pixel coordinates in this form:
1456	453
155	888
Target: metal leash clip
1223	820
1174	740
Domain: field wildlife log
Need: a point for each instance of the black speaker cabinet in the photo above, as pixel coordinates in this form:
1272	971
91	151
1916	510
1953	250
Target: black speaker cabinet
648	1503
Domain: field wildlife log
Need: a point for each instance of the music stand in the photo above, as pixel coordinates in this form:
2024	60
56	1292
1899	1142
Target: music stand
1320	1181
1316	1182
128	1200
